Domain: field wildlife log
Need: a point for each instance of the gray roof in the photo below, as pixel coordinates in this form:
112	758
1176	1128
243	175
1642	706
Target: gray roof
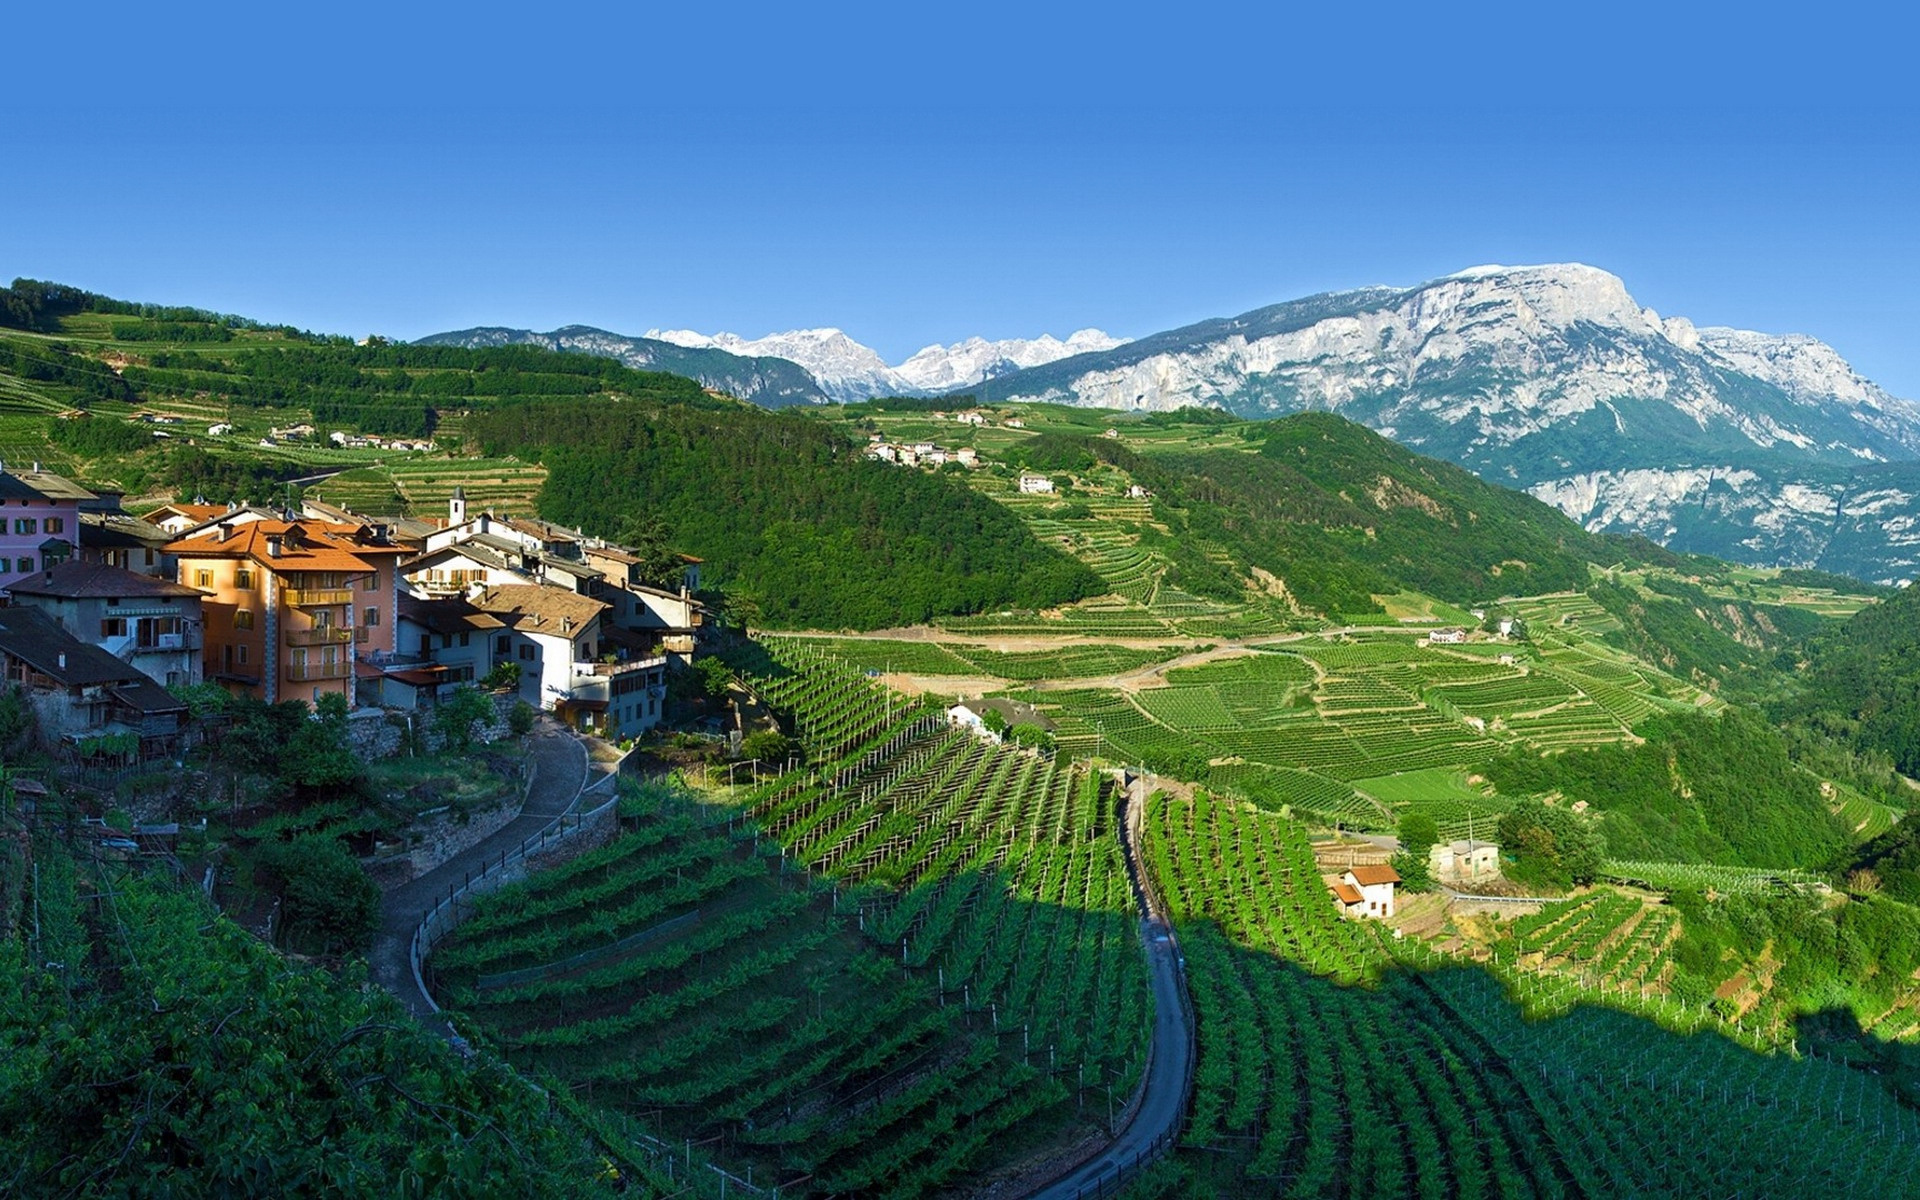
32	637
77	580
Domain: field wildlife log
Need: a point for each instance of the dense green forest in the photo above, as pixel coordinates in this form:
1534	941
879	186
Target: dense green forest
787	511
1861	682
1700	789
1341	514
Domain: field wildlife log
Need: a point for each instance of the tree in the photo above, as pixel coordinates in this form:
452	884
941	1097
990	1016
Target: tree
767	745
660	565
319	755
995	723
520	718
1418	835
1028	734
328	903
1550	844
458	714
504	677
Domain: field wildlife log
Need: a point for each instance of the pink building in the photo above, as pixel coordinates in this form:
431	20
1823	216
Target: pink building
39	521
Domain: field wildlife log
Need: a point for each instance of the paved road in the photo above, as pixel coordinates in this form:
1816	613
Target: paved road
1162	1107
560	772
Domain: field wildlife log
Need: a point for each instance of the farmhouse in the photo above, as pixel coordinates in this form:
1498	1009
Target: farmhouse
1465	860
974	715
1447	637
1033	485
1365	892
140	619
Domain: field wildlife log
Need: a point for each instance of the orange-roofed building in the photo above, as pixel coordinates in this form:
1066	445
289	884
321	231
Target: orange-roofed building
291	606
1366	891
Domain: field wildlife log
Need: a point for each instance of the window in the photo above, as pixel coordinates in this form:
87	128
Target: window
112	627
115	558
56	525
373	617
203	579
241	655
243	578
499	643
464	635
243	618
6	566
25	525
526	653
371	583
149	557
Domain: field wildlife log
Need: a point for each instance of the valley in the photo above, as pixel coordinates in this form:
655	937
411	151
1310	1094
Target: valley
1000	831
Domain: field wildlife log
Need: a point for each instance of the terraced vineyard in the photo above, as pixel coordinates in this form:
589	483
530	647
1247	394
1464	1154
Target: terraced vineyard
1429	1082
626	972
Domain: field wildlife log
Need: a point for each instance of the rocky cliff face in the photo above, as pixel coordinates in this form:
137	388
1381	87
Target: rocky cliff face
1553	379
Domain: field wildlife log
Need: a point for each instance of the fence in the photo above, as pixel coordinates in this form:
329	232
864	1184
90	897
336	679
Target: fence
441	919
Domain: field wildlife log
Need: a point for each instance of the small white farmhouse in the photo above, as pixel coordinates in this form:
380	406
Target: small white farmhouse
1035	485
1447	637
1366	893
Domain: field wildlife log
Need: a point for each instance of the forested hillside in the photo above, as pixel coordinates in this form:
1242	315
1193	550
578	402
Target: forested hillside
1341	514
787	510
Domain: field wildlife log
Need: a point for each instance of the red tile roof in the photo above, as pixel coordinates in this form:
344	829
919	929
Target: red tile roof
1369	875
304	546
1346	894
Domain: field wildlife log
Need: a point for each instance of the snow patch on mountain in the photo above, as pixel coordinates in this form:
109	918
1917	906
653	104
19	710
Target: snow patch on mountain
850	371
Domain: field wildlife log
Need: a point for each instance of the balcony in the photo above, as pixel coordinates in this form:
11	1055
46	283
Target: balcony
321	635
167	643
627	667
317	597
310	672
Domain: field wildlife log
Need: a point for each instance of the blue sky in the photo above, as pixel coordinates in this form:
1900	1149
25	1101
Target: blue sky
923	173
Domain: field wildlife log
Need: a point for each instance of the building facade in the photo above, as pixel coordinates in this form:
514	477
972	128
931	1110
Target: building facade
154	624
39	521
291	607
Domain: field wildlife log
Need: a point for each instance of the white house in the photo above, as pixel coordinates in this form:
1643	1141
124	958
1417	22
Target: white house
1506	626
967	456
971	418
1366	893
965	716
1136	492
1034	485
1446	637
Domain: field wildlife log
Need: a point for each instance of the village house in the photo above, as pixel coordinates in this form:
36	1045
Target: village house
39	520
1035	485
971	418
593	677
967	457
150	622
1446	637
1464	860
1365	892
440	646
291	606
971	715
78	691
119	539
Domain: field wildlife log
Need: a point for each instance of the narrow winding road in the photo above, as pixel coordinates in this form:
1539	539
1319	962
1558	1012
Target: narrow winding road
560	775
1156	1120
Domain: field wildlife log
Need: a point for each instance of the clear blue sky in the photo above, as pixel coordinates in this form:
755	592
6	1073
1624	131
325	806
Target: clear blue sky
923	173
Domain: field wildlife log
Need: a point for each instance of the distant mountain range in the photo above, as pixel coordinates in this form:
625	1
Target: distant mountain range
804	366
1761	448
850	372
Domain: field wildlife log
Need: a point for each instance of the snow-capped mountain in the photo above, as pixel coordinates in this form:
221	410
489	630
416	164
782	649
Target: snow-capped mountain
850	372
1554	379
766	381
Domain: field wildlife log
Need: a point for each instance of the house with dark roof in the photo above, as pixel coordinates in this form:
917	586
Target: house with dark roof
79	691
592	675
120	539
440	645
150	622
